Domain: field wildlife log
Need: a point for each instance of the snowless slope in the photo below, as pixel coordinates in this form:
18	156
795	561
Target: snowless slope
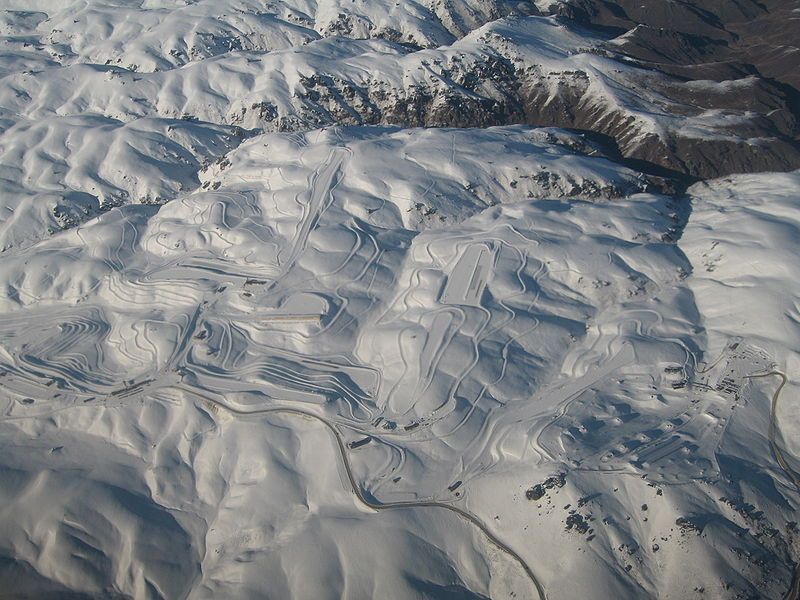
700	39
264	335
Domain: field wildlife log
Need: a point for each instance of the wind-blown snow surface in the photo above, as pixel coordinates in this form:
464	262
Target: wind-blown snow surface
371	362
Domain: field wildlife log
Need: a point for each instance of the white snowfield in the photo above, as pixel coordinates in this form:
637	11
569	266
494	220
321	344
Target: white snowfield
350	361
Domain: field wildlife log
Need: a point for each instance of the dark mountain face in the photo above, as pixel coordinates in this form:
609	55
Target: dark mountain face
705	39
751	49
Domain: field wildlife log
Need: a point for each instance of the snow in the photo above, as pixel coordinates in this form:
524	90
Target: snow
281	352
743	237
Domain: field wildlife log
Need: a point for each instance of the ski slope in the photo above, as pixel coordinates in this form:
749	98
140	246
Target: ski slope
310	300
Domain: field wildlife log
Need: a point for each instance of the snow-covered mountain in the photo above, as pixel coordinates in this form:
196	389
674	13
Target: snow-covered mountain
372	299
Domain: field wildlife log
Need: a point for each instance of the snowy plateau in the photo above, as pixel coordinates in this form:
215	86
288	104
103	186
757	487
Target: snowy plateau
414	299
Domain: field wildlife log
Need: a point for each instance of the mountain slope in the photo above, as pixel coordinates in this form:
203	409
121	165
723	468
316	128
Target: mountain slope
363	299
